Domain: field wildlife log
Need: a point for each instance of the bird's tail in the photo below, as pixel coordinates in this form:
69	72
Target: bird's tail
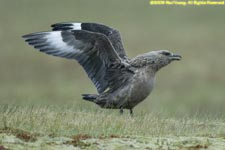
89	97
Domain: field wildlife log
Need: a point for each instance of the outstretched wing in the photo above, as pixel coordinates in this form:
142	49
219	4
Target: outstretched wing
92	50
112	34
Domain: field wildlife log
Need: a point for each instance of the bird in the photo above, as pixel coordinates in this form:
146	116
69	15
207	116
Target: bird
121	82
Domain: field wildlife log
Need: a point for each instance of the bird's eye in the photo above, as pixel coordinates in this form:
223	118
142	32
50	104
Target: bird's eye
166	53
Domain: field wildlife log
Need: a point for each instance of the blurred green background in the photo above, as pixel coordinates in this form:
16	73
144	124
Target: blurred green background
195	85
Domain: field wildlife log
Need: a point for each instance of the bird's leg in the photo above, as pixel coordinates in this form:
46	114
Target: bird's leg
131	112
121	111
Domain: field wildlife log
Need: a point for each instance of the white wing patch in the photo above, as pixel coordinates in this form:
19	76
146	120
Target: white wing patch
77	26
55	39
52	43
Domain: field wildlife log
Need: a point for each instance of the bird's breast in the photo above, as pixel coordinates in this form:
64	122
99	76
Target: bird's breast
142	85
139	87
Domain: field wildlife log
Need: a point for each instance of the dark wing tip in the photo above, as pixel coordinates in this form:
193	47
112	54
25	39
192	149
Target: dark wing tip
61	24
25	36
66	26
34	35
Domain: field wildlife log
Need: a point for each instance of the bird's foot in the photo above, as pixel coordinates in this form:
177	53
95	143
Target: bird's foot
131	113
121	111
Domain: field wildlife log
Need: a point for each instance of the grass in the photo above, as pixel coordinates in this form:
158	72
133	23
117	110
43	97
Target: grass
64	121
62	127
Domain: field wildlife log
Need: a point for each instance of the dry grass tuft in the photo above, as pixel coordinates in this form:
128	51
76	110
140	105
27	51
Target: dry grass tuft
67	122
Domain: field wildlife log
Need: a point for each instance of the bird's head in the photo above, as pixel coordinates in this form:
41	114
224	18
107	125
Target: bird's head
161	58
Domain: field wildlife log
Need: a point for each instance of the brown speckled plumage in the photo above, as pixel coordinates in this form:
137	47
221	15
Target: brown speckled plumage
122	83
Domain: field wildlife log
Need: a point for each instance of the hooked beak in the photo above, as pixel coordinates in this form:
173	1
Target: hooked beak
175	57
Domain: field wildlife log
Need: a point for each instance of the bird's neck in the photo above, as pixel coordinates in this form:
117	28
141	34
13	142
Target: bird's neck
150	72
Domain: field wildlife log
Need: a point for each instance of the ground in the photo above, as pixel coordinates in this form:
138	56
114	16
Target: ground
110	143
49	128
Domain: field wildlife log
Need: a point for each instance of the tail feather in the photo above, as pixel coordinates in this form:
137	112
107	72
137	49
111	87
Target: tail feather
89	97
